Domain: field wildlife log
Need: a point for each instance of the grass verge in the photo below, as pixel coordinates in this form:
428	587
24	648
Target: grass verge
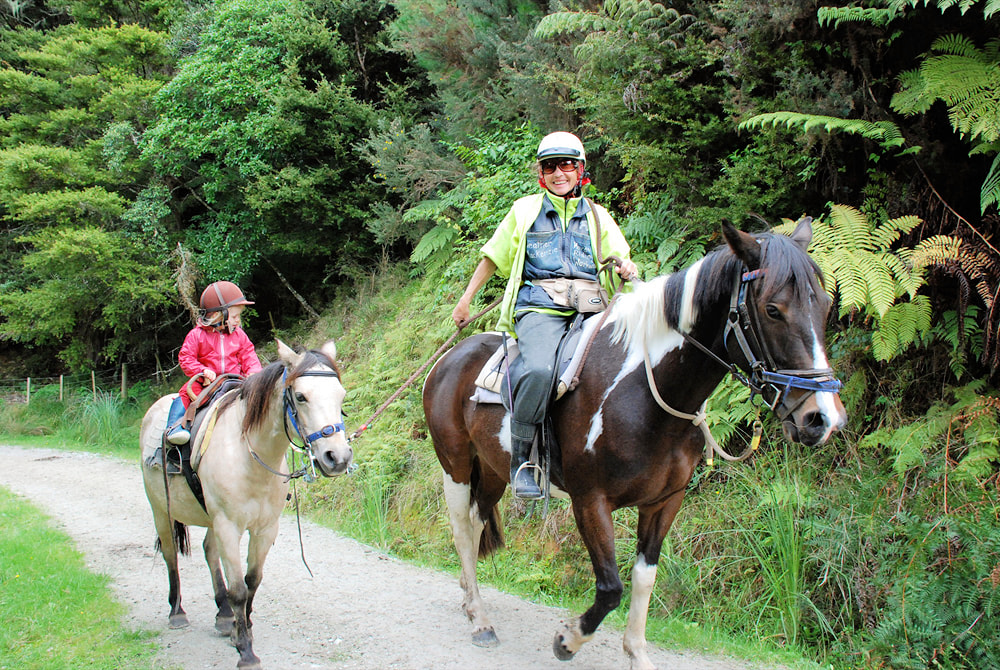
56	613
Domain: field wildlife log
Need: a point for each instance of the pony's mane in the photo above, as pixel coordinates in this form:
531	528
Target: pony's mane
657	306
259	388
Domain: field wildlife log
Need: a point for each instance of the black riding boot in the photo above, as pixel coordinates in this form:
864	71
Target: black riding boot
521	480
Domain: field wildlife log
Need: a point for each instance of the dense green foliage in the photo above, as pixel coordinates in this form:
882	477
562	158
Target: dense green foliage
348	159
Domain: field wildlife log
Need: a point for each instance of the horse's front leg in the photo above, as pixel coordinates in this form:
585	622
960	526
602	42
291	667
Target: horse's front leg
227	538
652	528
258	547
466	529
224	615
593	519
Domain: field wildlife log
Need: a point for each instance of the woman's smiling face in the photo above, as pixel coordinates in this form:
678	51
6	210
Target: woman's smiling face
558	181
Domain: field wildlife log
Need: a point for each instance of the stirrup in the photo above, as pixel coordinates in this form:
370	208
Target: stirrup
530	494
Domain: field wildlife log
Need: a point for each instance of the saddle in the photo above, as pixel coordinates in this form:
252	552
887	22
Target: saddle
196	415
504	367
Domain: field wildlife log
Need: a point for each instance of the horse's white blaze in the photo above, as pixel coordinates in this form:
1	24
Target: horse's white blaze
833	417
634	641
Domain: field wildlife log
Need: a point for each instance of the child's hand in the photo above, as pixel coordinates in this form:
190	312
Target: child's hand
208	375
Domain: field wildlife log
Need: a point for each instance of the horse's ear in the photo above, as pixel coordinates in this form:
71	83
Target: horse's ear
803	233
744	245
330	349
287	354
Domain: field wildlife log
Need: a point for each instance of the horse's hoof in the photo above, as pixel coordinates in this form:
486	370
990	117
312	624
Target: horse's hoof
224	624
179	621
485	638
249	665
560	650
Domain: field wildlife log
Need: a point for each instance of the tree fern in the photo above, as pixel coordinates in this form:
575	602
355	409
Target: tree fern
866	275
966	78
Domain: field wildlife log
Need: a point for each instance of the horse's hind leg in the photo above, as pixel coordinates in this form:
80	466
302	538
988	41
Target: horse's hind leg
652	528
593	519
467	529
224	617
171	538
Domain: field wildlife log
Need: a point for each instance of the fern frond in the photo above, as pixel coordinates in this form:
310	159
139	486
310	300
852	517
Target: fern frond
559	23
885	133
877	16
989	194
434	241
936	250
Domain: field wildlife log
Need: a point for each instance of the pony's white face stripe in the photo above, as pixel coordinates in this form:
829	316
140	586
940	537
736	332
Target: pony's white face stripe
833	417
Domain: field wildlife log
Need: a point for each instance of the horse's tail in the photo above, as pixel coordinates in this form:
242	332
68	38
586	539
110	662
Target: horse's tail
182	539
491	539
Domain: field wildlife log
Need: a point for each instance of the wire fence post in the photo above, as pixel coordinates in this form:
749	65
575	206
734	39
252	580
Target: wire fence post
60	388
124	380
27	394
93	384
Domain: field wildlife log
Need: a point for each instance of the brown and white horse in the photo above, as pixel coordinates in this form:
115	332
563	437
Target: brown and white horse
244	476
756	305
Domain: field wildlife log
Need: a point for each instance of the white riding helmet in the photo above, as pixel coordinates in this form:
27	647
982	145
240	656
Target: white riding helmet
561	145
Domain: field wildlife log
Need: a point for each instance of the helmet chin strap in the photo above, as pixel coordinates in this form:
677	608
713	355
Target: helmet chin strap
224	324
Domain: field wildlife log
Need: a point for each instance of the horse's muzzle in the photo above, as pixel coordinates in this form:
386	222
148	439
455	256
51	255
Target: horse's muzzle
334	460
815	420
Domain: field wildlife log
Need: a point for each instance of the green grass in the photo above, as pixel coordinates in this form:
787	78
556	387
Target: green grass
55	613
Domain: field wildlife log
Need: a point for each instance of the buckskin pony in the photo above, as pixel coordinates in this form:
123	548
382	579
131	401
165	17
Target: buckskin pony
755	307
244	476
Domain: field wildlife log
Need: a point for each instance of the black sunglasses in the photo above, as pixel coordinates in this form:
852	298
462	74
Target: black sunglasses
564	165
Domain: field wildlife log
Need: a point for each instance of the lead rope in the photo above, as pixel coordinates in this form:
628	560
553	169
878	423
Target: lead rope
419	371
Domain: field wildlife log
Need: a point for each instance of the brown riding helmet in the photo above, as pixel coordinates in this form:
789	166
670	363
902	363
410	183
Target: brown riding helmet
221	295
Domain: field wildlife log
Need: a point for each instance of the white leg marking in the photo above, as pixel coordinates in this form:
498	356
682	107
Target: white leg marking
634	642
466	528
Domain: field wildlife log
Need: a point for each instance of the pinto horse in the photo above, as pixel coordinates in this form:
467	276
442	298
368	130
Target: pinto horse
754	307
244	477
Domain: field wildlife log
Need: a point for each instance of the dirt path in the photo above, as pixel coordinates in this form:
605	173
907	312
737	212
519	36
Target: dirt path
361	610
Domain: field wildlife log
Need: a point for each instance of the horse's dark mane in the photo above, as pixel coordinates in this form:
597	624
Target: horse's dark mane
785	263
258	389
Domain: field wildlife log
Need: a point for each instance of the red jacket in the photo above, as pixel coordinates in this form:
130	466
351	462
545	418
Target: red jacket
207	348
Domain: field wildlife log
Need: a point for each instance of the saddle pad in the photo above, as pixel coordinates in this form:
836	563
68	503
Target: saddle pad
200	439
490	379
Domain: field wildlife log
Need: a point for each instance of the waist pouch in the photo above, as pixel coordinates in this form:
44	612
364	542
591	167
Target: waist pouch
584	295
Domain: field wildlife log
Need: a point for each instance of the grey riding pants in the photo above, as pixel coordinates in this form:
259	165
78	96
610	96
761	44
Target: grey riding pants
538	338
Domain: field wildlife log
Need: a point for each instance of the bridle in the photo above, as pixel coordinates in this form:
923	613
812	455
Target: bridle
291	416
762	377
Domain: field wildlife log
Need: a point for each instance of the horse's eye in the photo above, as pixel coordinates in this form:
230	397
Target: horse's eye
299	397
773	312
